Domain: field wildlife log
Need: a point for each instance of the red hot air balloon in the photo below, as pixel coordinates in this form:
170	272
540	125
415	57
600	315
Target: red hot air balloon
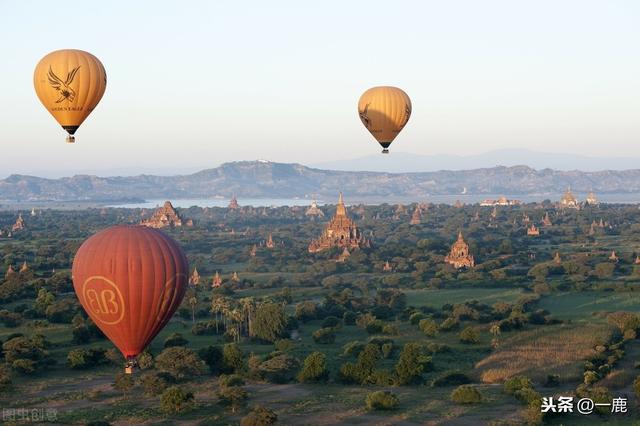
130	280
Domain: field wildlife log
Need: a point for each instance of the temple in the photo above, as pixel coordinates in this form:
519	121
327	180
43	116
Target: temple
24	268
546	221
194	279
253	251
340	232
235	278
557	259
233	204
592	200
533	230
416	217
270	244
217	280
19	225
387	267
459	255
314	210
613	256
165	216
9	272
569	201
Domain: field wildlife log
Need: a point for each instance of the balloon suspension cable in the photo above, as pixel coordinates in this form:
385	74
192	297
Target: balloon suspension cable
71	139
130	365
385	151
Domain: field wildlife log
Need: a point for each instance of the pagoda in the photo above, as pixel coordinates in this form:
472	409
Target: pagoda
416	217
344	255
569	201
19	225
163	217
233	204
314	210
613	256
217	280
592	200
235	278
33	212
546	221
637	261
557	258
253	251
24	267
387	267
459	255
400	210
458	204
194	279
270	244
10	272
494	212
533	230
340	232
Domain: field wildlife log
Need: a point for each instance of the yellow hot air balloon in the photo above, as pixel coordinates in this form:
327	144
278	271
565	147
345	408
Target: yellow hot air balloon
384	111
70	83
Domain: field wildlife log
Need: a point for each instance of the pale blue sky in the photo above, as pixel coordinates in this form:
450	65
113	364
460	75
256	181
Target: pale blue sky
193	84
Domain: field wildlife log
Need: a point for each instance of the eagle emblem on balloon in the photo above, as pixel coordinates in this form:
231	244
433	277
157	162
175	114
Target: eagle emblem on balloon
63	87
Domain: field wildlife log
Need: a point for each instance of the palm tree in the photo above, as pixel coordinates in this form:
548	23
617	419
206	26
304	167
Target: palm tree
193	302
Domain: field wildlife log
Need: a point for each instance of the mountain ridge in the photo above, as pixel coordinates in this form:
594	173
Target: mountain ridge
260	179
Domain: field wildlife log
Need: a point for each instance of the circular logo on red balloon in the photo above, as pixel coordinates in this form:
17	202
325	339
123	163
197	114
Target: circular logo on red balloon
102	298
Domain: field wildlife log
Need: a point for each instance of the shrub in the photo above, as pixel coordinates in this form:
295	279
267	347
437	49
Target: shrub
24	366
469	335
176	399
229	380
514	384
330	322
391	330
279	369
85	358
412	362
260	416
428	327
349	318
232	358
416	317
382	400
233	397
314	368
175	339
123	382
451	378
154	384
374	327
466	394
145	360
449	324
324	336
352	348
181	363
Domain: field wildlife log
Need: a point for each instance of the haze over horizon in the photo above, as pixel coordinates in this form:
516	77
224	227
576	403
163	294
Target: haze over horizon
199	84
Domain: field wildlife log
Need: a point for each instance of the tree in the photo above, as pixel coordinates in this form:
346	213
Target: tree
279	369
212	356
429	327
43	301
412	362
175	339
314	368
232	358
155	383
234	397
124	383
324	336
181	363
270	322
84	358
260	416
175	400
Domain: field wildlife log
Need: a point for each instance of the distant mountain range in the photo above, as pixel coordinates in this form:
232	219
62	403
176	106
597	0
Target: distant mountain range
263	179
399	162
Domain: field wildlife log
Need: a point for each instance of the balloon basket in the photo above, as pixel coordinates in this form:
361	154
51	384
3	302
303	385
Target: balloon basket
130	365
71	139
385	151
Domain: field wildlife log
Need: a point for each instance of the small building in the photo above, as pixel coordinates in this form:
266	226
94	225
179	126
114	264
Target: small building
459	255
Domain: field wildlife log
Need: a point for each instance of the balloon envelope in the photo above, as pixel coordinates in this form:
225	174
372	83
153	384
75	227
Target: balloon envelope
130	280
384	111
70	83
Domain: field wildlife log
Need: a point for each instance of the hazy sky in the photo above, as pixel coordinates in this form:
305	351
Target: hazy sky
194	84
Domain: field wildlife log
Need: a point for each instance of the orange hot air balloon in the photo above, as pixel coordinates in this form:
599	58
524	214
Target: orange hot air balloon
130	279
70	83
384	111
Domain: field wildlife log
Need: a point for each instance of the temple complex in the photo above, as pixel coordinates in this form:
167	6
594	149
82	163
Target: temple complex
19	225
194	279
569	201
340	232
314	210
502	201
592	200
416	217
459	255
217	280
233	204
533	230
165	216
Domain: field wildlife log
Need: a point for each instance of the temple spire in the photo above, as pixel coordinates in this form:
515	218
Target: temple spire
340	208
